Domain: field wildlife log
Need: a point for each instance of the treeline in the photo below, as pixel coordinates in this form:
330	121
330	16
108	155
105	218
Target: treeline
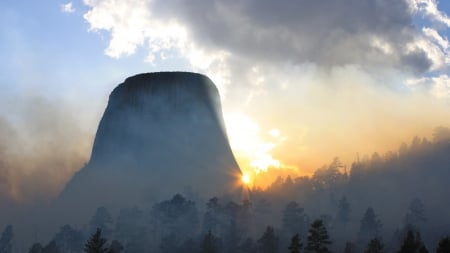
176	226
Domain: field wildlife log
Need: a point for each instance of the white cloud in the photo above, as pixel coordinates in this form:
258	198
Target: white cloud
67	8
438	86
435	36
430	8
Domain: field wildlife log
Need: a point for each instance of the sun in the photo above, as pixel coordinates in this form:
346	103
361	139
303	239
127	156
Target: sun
246	179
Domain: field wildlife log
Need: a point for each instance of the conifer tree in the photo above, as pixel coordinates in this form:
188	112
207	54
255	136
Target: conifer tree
370	227
36	248
318	238
296	245
375	246
444	245
268	243
209	244
413	244
96	244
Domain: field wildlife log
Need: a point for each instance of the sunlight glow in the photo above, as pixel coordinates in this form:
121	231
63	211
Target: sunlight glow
251	147
246	179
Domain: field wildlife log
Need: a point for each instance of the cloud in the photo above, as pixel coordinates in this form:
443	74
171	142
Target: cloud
439	86
369	33
430	9
67	8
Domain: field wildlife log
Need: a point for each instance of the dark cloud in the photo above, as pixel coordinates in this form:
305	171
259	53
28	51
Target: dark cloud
329	33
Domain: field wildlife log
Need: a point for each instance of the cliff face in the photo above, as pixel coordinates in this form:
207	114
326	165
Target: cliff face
161	134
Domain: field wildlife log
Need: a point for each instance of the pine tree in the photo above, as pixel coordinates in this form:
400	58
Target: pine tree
296	245
96	244
444	245
209	244
318	238
36	248
370	227
413	244
268	243
375	246
415	216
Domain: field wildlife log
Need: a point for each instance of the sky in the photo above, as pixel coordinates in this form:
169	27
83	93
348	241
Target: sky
301	82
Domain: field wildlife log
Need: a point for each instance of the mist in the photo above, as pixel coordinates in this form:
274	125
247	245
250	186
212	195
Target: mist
405	189
42	144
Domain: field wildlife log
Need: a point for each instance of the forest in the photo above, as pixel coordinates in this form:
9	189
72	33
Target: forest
395	202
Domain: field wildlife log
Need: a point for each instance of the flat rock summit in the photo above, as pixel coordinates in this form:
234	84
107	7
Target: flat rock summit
161	134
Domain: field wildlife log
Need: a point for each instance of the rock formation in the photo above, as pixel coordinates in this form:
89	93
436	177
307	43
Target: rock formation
161	134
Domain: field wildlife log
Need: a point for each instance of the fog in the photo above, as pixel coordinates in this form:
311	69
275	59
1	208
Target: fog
405	188
40	148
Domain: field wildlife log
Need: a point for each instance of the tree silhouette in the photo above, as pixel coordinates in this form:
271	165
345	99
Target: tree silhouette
296	245
210	244
416	214
444	245
96	244
375	246
178	216
35	248
318	238
268	243
413	244
370	227
5	240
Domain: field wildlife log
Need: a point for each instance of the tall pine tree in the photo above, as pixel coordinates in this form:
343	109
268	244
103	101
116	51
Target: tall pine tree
444	245
375	246
210	244
268	243
318	238
413	244
96	244
296	245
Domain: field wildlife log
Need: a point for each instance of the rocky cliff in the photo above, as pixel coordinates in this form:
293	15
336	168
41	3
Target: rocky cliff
161	134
